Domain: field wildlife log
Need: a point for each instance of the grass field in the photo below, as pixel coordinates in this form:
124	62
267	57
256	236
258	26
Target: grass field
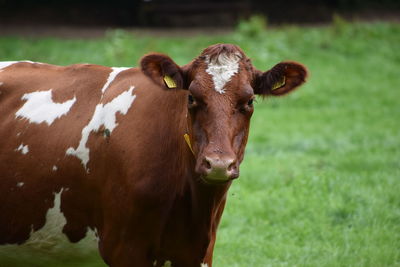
320	184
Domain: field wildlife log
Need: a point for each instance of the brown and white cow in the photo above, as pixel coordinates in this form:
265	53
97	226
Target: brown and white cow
107	147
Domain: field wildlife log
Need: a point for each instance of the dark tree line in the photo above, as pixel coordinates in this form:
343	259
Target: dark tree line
180	13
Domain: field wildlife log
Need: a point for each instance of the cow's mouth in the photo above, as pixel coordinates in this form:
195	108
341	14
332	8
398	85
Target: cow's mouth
213	181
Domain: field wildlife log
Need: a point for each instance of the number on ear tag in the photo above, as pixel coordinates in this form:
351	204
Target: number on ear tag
169	81
279	84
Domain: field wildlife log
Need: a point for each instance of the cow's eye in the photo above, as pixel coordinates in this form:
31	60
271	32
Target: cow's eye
191	101
245	108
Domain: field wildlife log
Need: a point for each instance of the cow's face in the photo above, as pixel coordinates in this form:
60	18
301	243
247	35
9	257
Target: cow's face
222	84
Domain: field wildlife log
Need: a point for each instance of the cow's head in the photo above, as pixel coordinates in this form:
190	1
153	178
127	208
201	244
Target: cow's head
222	84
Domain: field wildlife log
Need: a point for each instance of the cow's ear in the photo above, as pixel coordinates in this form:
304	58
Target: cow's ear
162	70
283	78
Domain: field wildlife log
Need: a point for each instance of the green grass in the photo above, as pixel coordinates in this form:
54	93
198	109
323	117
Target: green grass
320	184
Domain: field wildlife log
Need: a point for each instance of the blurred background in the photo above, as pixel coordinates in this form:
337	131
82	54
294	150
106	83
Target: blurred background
320	183
183	13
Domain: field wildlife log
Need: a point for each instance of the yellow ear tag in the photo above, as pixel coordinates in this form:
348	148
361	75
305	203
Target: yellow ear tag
279	84
187	139
169	81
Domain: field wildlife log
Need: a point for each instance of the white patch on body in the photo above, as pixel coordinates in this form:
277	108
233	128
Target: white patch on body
103	115
23	148
222	68
40	107
55	221
1	83
50	237
203	265
54	168
115	71
167	264
20	184
5	64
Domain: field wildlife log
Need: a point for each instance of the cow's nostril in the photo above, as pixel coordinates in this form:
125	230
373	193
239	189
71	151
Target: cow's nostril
231	167
207	163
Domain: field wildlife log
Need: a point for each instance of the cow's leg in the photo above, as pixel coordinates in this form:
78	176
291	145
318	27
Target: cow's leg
208	258
124	243
217	218
125	253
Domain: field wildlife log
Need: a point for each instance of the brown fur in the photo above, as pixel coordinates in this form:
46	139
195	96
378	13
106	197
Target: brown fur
145	193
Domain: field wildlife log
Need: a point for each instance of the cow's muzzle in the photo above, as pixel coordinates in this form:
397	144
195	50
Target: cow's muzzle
216	170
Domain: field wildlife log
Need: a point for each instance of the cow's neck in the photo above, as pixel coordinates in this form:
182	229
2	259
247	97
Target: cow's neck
196	203
208	196
176	161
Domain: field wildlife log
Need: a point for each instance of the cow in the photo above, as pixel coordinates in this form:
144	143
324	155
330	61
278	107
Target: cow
142	158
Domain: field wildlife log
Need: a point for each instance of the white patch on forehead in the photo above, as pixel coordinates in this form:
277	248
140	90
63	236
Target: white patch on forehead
103	115
40	107
222	68
20	184
55	168
115	71
24	149
203	265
